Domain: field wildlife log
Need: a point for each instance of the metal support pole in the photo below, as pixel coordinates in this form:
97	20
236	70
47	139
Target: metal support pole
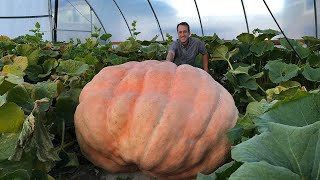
123	17
50	18
55	25
315	17
195	2
245	16
155	15
92	10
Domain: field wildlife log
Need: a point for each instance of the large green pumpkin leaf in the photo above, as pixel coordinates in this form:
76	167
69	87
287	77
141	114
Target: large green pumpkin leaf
301	111
8	142
11	118
312	74
244	52
242	79
129	46
48	65
245	124
63	114
245	38
45	90
9	81
66	104
242	69
24	49
310	40
33	72
49	53
35	136
280	71
20	96
302	51
263	171
293	148
284	90
72	67
220	53
246	81
7	59
5	85
261	47
88	59
254	109
314	60
267	33
20	64
232	53
116	60
14	79
153	50
21	169
33	57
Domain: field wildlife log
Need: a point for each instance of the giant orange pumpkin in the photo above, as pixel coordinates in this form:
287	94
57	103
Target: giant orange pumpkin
168	122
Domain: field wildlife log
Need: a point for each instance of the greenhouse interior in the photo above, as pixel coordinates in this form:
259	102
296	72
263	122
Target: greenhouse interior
160	89
65	19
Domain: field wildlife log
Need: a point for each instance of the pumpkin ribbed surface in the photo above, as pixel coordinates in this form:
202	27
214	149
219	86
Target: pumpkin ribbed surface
152	116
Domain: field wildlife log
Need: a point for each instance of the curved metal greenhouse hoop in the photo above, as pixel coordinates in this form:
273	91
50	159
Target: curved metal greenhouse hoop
123	17
96	16
195	2
245	16
21	17
155	16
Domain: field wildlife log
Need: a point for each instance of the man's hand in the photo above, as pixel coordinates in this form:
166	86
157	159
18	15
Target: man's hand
205	61
170	56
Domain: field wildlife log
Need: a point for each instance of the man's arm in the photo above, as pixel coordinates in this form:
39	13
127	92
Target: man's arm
170	56
205	61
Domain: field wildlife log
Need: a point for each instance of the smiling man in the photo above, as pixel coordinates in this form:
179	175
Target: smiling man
186	48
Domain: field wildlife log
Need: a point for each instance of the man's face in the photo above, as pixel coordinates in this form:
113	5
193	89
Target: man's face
183	34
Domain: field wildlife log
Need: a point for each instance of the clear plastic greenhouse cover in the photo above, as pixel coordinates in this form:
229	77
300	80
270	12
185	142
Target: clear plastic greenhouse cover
226	18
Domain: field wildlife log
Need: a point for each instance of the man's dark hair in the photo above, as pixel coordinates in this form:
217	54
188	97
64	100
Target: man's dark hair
183	24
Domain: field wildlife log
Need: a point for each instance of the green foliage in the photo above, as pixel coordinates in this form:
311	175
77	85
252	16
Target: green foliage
20	96
264	171
281	72
169	38
286	150
285	144
222	53
302	51
17	66
8	81
72	67
154	51
134	31
299	110
11	118
222	172
35	39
